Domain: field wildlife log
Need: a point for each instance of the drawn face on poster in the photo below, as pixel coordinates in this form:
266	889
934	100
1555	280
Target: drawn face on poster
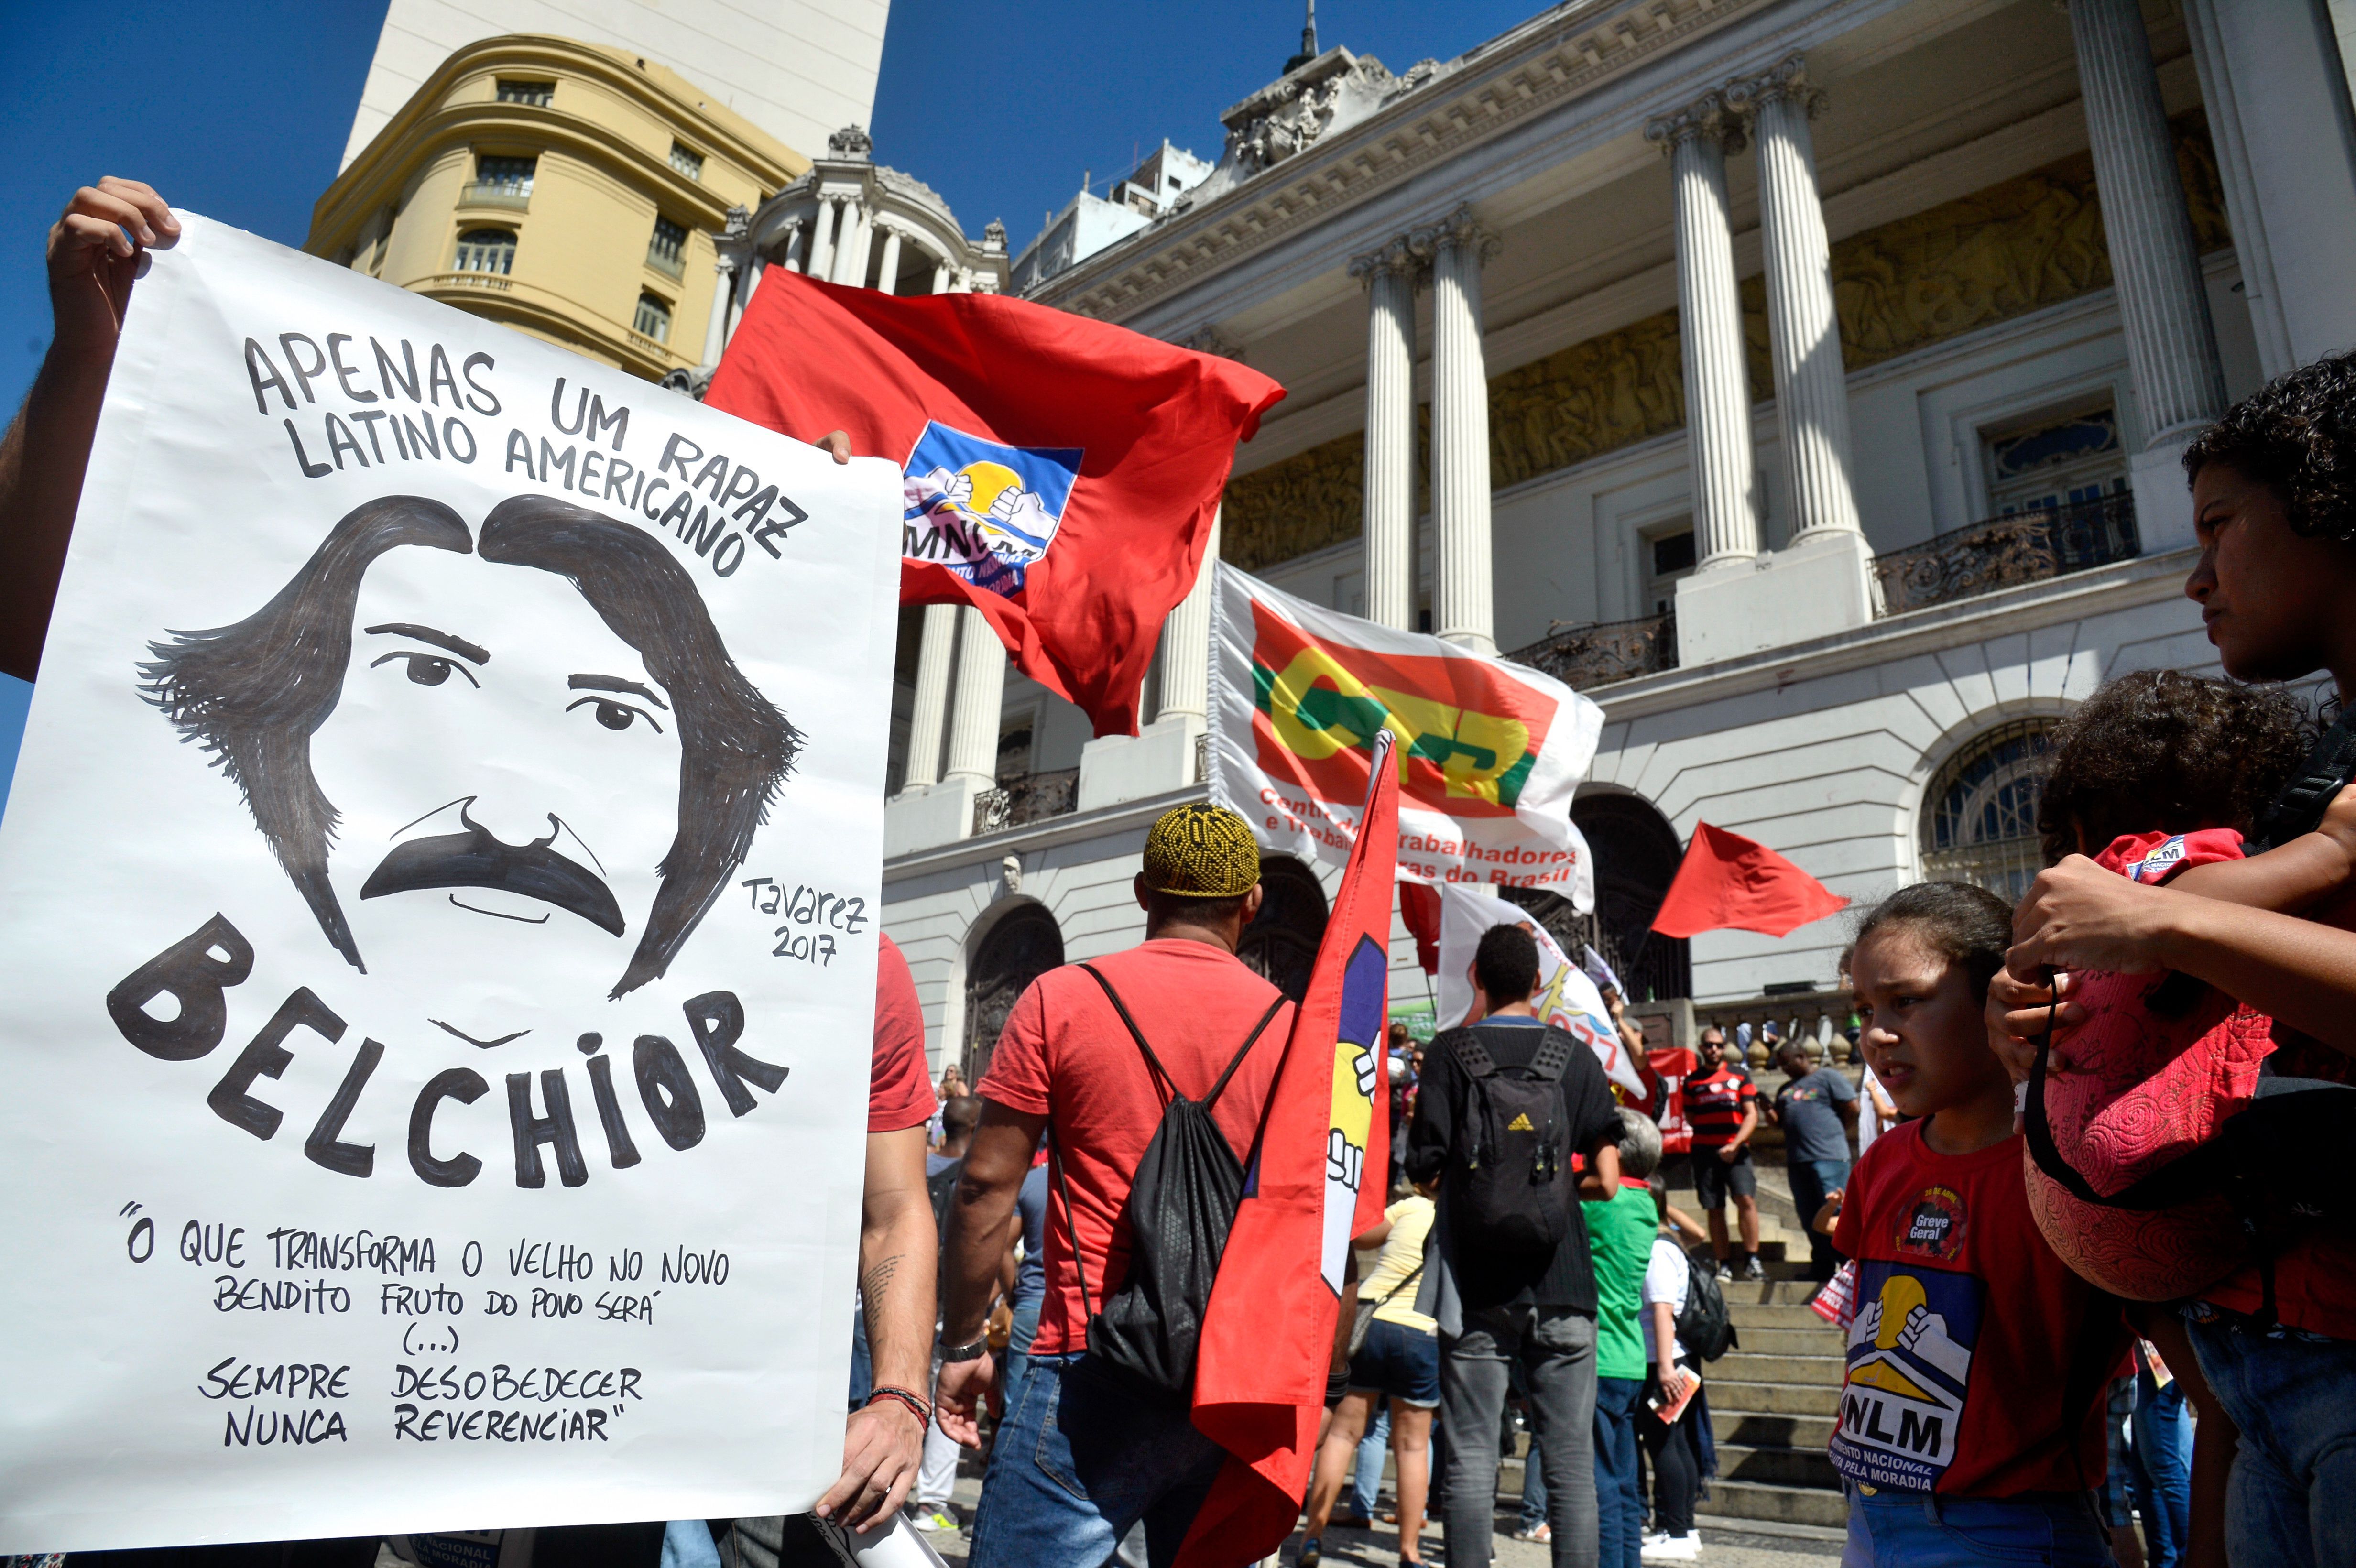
486	819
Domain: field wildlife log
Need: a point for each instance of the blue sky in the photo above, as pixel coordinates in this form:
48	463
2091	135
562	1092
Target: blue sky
239	111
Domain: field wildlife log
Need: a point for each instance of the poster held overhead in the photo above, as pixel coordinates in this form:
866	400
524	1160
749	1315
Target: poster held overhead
1565	998
454	762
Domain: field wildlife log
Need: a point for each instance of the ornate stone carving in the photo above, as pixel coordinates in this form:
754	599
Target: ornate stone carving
1208	339
1399	255
1708	115
1788	78
852	143
1458	227
1578	402
739	224
993	235
1301	503
1335	89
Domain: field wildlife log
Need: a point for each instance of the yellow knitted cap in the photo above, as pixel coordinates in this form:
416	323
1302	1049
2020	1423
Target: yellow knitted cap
1201	851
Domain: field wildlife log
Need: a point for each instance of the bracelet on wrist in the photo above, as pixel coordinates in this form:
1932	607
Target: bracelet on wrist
952	1354
918	1404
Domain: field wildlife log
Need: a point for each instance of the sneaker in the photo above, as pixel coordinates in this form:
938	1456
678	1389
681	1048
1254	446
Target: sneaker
1725	1270
936	1518
1312	1552
1541	1532
1753	1268
1684	1547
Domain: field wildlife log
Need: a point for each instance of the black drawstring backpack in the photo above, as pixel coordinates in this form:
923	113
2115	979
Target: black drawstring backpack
1181	1203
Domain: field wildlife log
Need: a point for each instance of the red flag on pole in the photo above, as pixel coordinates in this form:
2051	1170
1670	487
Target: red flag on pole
1319	1177
1062	473
1420	908
1728	882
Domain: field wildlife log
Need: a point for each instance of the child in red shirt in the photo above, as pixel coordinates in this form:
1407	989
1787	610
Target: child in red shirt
1970	1421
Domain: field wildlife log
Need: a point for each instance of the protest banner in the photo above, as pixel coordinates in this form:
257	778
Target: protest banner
1567	997
437	968
1488	753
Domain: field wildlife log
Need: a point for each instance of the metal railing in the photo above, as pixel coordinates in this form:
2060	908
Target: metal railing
1803	1016
496	281
2005	552
1026	799
489	193
1590	655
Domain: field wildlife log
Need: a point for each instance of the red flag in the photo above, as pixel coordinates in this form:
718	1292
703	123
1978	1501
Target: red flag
1319	1177
1420	908
1062	474
1728	882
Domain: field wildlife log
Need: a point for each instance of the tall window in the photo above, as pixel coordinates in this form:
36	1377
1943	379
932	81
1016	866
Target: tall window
1979	816
2055	460
653	318
506	177
539	94
687	160
1668	555
486	250
667	249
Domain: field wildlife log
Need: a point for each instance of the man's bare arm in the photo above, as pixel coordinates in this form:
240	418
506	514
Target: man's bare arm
995	1163
91	263
883	1444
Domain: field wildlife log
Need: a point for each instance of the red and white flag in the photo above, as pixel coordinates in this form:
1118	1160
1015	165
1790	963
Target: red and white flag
1319	1177
1060	474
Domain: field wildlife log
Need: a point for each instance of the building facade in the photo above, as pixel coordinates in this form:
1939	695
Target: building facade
796	69
1803	380
574	191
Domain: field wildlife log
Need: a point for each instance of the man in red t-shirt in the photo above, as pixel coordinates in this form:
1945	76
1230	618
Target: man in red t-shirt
1079	1459
1722	1107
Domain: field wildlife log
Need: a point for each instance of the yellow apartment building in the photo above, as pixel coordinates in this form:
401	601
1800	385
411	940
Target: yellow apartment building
570	190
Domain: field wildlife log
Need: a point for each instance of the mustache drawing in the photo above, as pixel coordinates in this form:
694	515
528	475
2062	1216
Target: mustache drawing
475	859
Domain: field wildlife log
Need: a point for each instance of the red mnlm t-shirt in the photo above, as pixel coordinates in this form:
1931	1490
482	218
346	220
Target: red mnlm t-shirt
1977	1362
1065	1055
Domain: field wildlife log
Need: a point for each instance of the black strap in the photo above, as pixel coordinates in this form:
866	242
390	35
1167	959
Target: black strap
2329	769
1162	1073
1071	1226
1409	1278
2042	1147
1473	1056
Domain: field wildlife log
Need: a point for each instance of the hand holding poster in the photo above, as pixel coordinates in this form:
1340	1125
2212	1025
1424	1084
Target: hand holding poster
1488	755
1567	998
437	970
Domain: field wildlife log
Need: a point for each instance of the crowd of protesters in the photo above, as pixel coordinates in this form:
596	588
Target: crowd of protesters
2038	1345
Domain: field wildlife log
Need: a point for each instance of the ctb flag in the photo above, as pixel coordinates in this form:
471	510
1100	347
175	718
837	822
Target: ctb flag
1319	1175
1061	474
1728	882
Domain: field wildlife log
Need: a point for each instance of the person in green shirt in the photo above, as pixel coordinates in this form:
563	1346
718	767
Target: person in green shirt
1619	1229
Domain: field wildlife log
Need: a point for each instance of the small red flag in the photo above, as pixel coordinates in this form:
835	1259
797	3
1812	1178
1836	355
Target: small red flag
1321	1175
1420	908
1728	882
1062	473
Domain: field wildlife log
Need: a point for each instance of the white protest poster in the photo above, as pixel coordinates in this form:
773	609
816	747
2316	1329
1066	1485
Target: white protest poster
437	936
1566	996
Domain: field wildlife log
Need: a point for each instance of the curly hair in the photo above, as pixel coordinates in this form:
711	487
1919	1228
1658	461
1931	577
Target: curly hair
2160	751
2296	435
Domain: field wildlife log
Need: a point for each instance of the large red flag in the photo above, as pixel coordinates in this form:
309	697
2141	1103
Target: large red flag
1728	882
1062	474
1319	1177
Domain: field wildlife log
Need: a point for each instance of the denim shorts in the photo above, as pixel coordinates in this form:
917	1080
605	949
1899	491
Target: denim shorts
1399	1363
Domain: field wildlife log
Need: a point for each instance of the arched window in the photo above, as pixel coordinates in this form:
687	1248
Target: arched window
1282	941
1636	854
1024	944
486	250
653	318
1979	816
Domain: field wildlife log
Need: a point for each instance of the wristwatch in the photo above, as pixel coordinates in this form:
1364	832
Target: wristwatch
953	1354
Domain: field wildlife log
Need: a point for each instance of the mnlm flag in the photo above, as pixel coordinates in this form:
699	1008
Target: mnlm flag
1488	753
1317	1178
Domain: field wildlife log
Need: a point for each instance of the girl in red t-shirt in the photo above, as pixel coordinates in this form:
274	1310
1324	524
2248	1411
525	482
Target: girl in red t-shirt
1970	1419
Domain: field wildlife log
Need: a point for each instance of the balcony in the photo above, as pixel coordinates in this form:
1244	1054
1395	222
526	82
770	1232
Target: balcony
1591	655
670	261
496	193
1026	799
2005	552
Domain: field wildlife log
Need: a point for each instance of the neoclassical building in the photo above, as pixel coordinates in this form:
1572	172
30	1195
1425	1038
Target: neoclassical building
1803	380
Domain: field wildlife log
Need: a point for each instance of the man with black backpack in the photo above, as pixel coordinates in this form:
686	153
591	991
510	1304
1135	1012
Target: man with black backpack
1504	1106
1153	1066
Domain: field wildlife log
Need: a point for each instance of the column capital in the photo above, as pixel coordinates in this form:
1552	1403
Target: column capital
1706	117
1396	255
1461	230
1208	339
1786	78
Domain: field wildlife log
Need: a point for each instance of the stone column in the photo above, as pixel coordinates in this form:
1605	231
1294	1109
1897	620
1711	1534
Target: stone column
750	274
888	273
850	245
941	276
1462	593
724	295
1186	648
2155	262
930	711
1390	276
822	243
1804	332
981	694
795	232
1709	328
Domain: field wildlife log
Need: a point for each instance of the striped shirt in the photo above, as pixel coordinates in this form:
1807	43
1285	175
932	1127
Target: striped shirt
1715	1103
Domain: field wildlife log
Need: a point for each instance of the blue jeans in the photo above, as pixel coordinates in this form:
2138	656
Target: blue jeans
2292	1500
2159	1465
1534	1491
1917	1530
1079	1460
1812	1180
1619	1495
1367	1478
1018	1350
862	1366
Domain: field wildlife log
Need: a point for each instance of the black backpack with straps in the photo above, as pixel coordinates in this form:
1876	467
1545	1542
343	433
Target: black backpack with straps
1510	1181
1181	1204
